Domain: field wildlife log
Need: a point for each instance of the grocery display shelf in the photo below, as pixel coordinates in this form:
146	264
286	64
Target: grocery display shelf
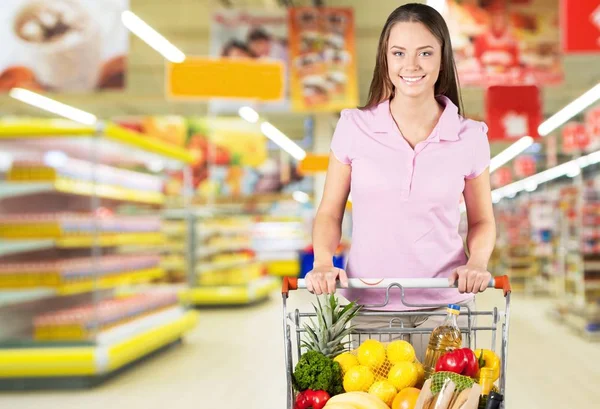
256	291
104	240
110	132
90	284
121	347
283	268
80	188
23	296
10	247
207	251
170	263
223	265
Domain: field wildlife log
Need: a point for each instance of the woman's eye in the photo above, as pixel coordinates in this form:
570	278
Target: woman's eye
426	53
398	53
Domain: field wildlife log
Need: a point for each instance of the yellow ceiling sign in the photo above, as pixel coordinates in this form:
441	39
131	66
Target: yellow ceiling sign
313	164
204	78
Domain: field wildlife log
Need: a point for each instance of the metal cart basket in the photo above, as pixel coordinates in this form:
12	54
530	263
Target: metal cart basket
482	324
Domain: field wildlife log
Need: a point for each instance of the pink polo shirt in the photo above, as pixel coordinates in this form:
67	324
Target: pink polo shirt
405	202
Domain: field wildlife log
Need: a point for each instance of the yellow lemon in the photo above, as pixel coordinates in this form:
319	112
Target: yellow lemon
371	353
358	379
403	375
384	391
400	351
421	372
346	361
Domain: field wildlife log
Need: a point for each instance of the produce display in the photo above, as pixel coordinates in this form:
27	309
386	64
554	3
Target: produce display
81	322
61	272
386	375
83	171
61	224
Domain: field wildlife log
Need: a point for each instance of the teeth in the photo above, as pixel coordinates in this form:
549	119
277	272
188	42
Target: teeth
411	79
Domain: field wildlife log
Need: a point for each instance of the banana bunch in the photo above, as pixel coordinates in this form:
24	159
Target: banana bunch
355	400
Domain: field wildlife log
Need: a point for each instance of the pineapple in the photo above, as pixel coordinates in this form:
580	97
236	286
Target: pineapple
327	337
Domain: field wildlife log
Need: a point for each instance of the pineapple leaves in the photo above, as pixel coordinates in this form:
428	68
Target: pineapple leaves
332	327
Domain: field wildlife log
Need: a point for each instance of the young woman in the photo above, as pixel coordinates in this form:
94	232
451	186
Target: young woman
408	156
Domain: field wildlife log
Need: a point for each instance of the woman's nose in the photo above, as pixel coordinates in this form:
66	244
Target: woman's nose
412	63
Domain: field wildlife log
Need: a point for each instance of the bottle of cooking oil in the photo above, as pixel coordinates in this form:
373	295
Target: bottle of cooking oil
445	338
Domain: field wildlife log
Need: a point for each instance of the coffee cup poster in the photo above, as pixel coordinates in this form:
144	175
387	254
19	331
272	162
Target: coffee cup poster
63	45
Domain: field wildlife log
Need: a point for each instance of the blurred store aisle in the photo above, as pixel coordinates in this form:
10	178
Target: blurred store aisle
234	360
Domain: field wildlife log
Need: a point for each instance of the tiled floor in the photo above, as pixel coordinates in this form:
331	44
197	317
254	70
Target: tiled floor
235	360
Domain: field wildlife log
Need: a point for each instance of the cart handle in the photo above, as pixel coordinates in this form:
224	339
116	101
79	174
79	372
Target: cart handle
293	283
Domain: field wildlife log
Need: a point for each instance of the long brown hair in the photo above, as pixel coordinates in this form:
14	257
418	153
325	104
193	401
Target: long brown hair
447	83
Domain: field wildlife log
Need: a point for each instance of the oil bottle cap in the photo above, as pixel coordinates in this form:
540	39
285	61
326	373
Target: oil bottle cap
454	309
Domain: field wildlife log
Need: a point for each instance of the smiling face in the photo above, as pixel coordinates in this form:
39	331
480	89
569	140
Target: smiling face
414	57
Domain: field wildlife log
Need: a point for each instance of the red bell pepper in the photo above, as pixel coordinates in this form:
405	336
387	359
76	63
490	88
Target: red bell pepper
461	361
310	399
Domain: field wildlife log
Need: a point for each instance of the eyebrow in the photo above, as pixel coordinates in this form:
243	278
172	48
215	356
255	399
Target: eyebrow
420	48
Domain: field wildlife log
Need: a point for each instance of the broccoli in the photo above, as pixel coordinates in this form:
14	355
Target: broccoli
317	372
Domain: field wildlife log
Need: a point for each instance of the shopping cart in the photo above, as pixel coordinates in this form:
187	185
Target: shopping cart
396	329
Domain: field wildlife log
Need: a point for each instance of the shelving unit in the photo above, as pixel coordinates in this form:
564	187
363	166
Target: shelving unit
518	257
222	267
583	283
80	225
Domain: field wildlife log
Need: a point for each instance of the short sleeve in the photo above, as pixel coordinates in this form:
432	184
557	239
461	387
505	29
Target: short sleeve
342	141
481	151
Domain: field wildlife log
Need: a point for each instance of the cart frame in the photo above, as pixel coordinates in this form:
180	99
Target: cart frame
297	319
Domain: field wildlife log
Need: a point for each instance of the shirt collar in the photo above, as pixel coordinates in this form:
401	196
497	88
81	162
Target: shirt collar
447	128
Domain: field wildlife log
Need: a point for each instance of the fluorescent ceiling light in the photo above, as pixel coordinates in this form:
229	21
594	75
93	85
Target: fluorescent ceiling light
53	106
549	125
248	114
151	37
511	152
283	141
300	196
570	169
570	111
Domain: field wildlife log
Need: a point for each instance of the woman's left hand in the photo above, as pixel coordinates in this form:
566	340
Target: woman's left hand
471	279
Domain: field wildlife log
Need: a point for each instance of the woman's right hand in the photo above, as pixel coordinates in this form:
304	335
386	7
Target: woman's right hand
322	279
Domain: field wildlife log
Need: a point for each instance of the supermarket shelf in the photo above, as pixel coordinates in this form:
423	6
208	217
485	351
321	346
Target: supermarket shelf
8	247
120	134
22	296
80	188
91	284
130	343
102	283
173	264
105	240
223	265
212	250
283	268
41	129
233	295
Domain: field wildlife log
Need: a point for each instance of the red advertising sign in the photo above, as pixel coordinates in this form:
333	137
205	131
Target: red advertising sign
592	125
575	137
580	22
513	112
524	166
501	177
